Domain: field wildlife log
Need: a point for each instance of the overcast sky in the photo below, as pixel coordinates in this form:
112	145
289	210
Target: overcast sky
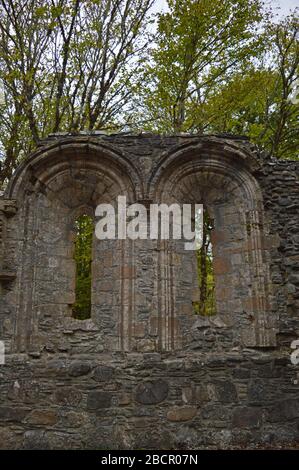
285	5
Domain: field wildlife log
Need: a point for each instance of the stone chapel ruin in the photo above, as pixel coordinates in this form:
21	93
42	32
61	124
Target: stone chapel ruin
144	371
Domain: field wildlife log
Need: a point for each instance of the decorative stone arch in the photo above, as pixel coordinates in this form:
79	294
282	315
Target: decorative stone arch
220	175
50	188
78	152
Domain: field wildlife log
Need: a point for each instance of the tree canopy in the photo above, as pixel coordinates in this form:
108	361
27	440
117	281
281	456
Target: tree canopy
201	66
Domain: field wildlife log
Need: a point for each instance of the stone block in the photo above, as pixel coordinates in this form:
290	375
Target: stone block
79	368
225	391
103	373
178	414
150	393
69	396
42	418
247	417
13	414
98	399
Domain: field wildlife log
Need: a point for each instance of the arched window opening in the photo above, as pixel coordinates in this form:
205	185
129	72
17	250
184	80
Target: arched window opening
83	259
206	305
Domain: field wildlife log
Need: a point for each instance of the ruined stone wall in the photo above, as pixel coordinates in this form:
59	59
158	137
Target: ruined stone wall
144	371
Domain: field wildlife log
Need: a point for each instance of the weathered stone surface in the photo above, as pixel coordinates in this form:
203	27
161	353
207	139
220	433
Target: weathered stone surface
150	393
99	399
28	391
36	440
124	399
103	373
225	391
13	414
9	439
57	367
72	419
247	418
242	373
42	417
144	371
213	412
257	391
185	413
79	368
67	396
285	410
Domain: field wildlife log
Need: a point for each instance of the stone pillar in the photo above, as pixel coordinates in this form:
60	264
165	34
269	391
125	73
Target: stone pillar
263	332
7	209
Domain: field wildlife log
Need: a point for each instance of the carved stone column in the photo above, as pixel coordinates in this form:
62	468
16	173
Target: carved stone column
263	331
7	209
